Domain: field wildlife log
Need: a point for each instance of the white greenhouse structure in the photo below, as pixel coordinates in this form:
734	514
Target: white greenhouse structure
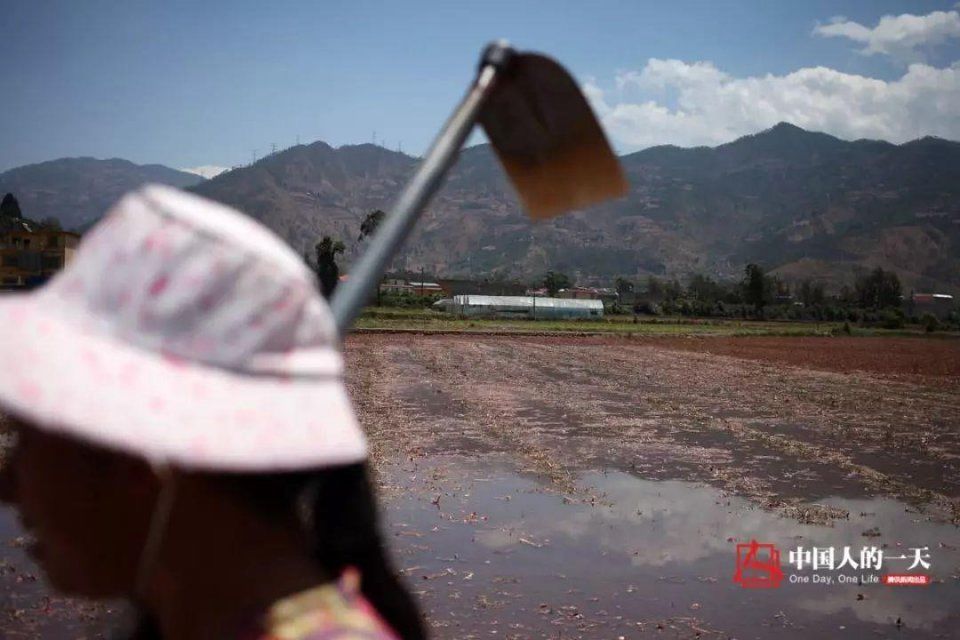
523	307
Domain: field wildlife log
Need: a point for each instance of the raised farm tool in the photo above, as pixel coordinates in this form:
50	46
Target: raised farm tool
542	130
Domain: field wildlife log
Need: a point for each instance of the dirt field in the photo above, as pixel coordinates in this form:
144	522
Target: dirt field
672	409
888	356
597	487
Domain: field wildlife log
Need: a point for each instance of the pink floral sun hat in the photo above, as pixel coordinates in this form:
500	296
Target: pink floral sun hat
188	334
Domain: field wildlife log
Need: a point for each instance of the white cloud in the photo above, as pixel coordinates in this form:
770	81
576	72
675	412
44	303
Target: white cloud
207	171
903	37
689	104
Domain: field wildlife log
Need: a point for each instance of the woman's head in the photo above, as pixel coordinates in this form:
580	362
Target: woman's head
185	353
91	511
88	509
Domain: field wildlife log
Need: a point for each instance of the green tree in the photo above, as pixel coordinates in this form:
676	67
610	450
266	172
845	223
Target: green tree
812	293
9	207
848	296
878	289
370	224
757	287
328	272
654	288
624	287
780	288
890	294
554	281
929	322
704	289
672	290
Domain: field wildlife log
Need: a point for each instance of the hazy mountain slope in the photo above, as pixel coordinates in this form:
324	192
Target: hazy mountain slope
804	203
807	203
790	198
79	190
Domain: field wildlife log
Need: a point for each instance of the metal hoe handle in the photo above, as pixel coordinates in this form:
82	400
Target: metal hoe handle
350	297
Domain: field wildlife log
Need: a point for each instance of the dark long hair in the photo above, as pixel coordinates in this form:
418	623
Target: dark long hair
338	508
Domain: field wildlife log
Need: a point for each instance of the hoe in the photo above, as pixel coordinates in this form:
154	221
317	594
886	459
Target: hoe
544	134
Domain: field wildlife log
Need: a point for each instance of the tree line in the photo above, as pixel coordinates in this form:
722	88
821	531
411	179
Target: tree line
875	296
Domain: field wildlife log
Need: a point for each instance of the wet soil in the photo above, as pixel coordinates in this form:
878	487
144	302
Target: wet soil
770	432
598	487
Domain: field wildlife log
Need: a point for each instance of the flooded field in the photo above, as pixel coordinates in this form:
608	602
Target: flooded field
494	553
598	488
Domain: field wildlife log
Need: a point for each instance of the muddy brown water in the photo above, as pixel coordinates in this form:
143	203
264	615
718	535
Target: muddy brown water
538	488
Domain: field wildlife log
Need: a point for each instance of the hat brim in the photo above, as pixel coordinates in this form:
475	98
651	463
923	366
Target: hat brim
68	381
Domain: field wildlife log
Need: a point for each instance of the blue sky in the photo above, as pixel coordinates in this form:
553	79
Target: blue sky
206	83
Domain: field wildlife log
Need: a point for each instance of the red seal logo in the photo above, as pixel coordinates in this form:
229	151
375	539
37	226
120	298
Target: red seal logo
758	566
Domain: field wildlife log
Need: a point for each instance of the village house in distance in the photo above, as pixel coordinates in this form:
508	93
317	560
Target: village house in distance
31	252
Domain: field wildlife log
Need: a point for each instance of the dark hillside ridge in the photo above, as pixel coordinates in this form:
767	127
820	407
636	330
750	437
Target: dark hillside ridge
804	203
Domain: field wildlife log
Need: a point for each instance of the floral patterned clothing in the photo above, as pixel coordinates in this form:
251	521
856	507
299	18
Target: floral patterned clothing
334	611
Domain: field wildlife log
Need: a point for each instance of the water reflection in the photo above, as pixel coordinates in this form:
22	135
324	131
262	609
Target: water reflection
489	550
645	549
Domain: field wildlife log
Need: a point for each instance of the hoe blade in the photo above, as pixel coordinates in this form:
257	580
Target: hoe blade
548	139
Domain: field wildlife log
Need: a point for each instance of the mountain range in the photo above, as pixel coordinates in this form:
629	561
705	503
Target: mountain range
77	191
804	204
